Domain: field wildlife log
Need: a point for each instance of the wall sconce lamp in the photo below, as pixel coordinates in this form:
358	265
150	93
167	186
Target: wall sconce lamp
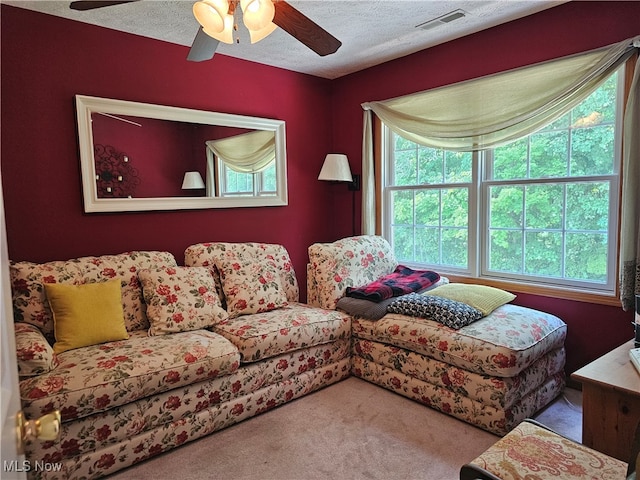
192	181
336	169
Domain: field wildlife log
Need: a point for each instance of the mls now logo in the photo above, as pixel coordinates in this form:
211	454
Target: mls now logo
28	466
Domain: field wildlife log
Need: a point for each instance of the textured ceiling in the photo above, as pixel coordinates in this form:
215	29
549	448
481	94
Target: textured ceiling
371	31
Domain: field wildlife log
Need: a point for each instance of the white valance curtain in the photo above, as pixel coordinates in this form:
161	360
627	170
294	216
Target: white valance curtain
246	153
497	109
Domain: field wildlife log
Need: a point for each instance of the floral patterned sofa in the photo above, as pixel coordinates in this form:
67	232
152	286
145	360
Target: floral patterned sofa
195	349
492	373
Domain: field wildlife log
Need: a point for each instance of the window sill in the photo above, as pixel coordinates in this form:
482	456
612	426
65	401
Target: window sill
544	291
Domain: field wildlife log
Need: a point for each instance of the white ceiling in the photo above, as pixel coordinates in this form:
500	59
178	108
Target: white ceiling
371	31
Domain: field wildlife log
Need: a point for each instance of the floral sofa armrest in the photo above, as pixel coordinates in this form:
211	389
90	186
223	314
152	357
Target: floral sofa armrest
35	354
350	262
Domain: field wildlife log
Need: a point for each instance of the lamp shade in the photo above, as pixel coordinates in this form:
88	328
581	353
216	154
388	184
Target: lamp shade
192	181
336	168
257	14
257	35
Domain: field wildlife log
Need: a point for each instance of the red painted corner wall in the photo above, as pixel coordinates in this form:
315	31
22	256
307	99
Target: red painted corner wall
47	60
566	29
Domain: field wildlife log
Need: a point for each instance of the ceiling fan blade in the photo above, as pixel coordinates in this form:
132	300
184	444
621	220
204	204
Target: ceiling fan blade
203	47
91	5
304	30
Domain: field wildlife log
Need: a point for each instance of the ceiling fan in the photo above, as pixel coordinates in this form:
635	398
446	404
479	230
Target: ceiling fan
217	22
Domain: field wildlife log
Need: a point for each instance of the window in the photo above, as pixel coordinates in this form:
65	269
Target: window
540	210
236	184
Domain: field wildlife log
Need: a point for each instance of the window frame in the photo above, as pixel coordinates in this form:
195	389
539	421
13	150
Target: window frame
478	221
388	191
258	181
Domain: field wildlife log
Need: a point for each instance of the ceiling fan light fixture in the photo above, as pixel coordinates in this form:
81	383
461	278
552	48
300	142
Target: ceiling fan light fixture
211	13
226	36
214	17
257	14
257	35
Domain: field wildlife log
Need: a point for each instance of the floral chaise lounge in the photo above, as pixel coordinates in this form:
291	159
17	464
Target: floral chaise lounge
504	365
169	353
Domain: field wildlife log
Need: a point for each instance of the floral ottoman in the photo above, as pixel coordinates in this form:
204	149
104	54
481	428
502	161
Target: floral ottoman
532	451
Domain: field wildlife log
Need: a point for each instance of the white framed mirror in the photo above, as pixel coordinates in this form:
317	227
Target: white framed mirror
139	156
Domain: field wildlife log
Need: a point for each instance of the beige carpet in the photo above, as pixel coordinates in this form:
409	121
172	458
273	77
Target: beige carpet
351	430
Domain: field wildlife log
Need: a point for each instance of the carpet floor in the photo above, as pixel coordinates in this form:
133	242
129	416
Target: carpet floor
351	430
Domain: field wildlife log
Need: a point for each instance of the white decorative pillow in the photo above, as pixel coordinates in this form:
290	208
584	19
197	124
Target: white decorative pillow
251	287
180	299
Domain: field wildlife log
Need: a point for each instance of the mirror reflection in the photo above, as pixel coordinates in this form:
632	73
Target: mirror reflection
143	157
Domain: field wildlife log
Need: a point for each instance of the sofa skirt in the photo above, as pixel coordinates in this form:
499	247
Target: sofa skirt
472	405
102	444
498	392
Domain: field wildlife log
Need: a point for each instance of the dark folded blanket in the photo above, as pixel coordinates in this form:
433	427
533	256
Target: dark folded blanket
403	280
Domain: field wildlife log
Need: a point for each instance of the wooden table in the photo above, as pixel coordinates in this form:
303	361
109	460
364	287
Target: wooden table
610	402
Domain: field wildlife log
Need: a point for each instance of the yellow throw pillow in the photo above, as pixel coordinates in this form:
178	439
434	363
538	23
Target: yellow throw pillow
86	314
484	298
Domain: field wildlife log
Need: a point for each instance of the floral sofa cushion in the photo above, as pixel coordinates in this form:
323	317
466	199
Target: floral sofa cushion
29	299
207	254
351	262
180	299
250	286
502	344
126	267
99	377
30	303
264	335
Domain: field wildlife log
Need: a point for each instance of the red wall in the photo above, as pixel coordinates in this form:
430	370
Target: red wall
563	30
160	151
47	60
